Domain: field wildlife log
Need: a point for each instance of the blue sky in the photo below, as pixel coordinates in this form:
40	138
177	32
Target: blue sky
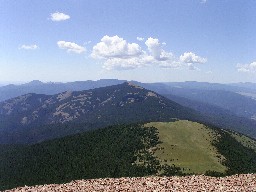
147	40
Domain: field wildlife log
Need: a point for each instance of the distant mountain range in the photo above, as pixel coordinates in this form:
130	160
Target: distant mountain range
218	116
11	91
239	98
123	103
236	103
36	86
117	104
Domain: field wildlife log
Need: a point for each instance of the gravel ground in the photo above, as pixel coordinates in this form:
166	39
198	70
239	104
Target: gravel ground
189	183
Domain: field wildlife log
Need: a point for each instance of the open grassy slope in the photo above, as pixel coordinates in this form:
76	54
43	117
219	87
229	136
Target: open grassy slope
244	140
187	145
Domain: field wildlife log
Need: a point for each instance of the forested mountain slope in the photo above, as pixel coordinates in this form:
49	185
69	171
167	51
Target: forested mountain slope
126	151
34	116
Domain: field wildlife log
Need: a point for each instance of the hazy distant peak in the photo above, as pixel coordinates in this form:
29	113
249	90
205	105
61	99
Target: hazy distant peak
35	82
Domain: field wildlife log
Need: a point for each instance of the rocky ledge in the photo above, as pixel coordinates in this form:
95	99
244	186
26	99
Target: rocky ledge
246	182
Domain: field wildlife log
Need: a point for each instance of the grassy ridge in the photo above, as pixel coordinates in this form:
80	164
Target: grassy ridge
187	145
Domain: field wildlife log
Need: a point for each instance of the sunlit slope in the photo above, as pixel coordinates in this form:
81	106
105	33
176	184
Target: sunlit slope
188	145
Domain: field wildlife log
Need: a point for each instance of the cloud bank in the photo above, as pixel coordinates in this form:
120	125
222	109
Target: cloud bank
249	68
116	53
71	47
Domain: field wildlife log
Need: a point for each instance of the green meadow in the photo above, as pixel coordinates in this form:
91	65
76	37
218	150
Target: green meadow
187	145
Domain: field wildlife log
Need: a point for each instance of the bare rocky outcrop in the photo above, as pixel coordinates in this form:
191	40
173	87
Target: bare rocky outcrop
246	182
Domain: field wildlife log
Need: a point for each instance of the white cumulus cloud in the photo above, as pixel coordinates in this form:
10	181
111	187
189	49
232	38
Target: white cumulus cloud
155	48
29	47
161	57
189	57
118	54
115	47
71	47
250	68
57	16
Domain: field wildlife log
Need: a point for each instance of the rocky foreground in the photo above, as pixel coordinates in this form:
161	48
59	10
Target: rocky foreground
189	183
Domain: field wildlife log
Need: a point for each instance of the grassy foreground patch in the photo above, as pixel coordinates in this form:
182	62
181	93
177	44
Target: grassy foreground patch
187	145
